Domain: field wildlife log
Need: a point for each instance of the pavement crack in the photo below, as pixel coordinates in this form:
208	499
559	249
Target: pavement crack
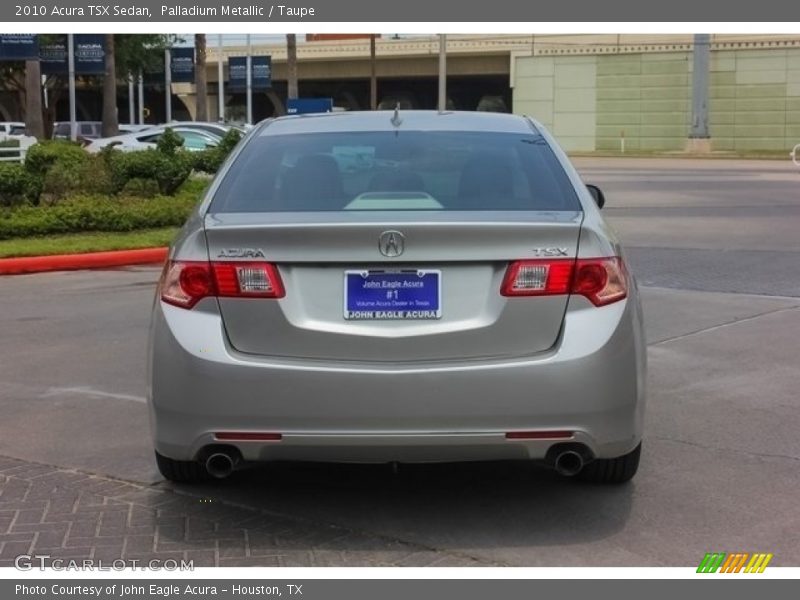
722	325
726	450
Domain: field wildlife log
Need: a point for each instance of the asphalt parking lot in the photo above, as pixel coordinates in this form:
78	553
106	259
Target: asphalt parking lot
716	250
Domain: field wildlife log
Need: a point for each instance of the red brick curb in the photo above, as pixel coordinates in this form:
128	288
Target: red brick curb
90	260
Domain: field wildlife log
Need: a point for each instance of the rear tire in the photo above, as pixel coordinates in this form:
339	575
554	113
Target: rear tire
612	470
181	471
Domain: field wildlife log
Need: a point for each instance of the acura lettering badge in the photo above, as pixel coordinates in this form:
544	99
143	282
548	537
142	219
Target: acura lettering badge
392	243
241	253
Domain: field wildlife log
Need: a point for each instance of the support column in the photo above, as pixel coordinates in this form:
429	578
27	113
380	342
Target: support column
699	135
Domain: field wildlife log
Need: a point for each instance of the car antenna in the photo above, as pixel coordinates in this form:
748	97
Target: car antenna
396	120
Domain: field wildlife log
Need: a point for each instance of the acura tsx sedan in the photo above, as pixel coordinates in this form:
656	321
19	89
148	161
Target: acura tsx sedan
397	286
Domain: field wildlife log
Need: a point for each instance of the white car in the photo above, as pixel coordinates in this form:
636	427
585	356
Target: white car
211	127
193	140
11	130
133	128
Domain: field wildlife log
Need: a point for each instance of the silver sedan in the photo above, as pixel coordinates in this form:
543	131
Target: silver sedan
397	286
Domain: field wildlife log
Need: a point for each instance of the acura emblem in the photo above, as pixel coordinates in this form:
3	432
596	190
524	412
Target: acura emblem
392	243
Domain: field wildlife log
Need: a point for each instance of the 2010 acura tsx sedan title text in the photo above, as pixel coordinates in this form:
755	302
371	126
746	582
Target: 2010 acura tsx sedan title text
389	286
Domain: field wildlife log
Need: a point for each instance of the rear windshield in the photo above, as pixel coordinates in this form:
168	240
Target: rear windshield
388	170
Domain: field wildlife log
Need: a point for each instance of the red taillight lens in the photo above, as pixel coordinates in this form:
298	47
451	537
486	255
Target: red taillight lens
247	279
185	283
537	278
601	280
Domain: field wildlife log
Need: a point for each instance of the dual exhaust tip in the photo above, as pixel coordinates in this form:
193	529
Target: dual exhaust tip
221	463
568	459
568	463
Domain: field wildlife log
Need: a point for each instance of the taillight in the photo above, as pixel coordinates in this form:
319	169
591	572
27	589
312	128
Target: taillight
185	283
537	278
601	280
247	279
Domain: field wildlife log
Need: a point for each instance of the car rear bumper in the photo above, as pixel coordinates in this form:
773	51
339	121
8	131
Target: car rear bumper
591	383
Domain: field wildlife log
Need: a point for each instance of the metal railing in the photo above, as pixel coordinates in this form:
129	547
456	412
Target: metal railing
16	154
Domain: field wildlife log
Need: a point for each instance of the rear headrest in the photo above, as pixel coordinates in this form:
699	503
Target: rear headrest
313	183
485	176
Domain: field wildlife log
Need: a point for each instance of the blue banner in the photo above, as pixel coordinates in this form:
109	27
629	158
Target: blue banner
90	54
237	73
19	46
182	65
261	73
53	57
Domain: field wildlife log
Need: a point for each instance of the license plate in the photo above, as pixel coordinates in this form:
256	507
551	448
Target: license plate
392	295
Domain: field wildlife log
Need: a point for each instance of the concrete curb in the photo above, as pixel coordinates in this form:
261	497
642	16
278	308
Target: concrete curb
89	260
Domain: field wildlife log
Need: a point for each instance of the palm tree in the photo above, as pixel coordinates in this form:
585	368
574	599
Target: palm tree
291	66
110	121
34	123
200	76
373	78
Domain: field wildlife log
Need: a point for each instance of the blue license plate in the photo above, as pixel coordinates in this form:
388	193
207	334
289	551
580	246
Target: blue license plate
392	295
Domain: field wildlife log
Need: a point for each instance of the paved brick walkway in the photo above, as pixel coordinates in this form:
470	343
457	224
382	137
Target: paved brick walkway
63	513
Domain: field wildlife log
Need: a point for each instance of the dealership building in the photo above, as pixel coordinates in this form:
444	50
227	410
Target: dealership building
595	92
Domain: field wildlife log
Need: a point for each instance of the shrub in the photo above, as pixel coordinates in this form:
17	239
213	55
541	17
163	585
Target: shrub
60	168
169	142
41	157
17	186
211	159
168	171
98	213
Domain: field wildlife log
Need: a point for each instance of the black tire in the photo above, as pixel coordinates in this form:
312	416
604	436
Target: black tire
181	471
612	470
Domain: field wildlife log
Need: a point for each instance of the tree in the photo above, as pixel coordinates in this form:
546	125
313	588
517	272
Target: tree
110	121
136	54
200	76
291	66
373	77
34	123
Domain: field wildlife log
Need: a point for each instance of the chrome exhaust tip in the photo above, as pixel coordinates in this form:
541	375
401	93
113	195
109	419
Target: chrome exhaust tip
568	463
220	464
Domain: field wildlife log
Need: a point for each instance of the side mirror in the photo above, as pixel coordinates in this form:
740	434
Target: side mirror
597	194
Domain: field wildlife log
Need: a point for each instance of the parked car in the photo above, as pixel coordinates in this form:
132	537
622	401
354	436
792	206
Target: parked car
219	129
84	130
453	294
11	129
193	140
133	127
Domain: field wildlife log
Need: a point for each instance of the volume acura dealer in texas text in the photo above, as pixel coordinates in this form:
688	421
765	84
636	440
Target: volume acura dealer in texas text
229	10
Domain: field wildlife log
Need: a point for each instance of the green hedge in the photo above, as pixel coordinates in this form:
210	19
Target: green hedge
58	169
100	213
17	186
211	159
41	157
169	171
